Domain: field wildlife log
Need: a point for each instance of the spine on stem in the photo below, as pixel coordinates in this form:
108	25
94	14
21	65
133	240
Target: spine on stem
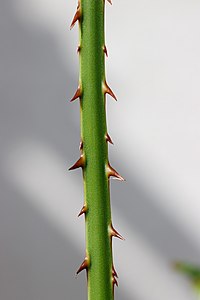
91	91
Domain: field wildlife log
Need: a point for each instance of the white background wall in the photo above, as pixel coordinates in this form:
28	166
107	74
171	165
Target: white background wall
154	68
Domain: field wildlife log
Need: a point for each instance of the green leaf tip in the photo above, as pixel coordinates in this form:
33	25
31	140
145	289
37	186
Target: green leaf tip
193	272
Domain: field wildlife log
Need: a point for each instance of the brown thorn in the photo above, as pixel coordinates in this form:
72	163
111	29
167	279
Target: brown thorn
114	273
81	146
78	49
108	139
77	94
114	280
78	164
113	172
110	1
107	90
83	211
115	233
83	266
76	18
105	50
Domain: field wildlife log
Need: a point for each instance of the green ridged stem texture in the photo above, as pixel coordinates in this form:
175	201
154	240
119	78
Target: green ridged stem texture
94	151
93	132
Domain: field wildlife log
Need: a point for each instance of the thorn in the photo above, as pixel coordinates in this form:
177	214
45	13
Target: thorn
115	233
114	273
108	139
77	94
83	266
78	49
83	211
107	90
114	280
113	172
76	18
110	1
81	146
78	164
105	50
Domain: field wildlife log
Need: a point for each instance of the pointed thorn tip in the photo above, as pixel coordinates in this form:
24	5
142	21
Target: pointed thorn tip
115	282
107	90
114	173
105	50
114	273
83	211
78	164
115	233
78	49
81	146
108	139
76	18
83	266
77	94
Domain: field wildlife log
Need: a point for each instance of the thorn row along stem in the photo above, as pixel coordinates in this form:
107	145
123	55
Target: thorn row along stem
91	92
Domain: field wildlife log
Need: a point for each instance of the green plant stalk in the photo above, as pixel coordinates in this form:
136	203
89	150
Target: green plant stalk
92	89
93	132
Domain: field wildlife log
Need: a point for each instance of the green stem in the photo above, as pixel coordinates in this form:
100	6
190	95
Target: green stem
94	151
93	133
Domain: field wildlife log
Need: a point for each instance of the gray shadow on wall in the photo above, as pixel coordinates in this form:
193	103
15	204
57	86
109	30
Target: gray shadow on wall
37	261
34	88
137	206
